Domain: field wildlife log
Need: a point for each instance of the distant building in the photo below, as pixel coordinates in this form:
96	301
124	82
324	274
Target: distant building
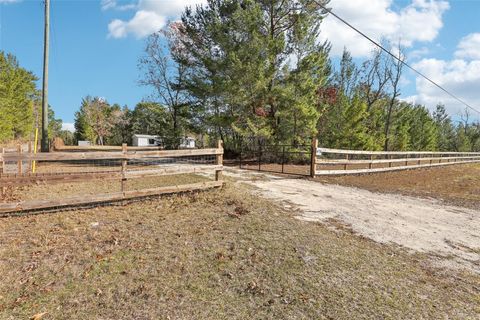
187	143
145	140
84	143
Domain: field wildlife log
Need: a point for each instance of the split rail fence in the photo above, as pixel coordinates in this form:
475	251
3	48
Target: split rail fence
16	166
72	167
342	162
310	160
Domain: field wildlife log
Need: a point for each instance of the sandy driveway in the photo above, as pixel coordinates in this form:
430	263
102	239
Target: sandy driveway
419	224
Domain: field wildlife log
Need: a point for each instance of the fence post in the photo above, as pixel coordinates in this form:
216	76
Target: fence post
219	161
259	157
313	156
124	166
30	151
241	152
20	162
2	170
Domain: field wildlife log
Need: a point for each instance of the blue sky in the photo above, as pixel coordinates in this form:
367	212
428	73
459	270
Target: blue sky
95	45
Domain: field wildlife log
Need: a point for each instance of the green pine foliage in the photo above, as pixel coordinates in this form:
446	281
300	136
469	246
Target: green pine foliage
237	69
254	66
17	95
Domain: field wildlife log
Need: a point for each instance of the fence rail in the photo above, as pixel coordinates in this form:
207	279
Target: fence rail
328	161
72	167
65	156
102	148
16	166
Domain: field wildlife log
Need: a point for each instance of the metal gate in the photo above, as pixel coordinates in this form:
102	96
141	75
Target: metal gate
276	158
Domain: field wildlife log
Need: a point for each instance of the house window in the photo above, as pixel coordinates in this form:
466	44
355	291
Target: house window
151	141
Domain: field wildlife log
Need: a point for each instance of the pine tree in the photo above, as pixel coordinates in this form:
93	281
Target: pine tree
423	130
17	94
445	129
461	143
236	54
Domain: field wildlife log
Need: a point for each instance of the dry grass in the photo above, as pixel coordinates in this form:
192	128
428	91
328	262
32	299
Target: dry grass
458	184
221	254
97	186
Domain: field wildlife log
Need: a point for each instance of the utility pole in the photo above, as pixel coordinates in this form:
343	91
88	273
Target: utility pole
45	146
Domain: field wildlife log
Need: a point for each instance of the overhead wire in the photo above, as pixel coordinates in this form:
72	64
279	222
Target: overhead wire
397	58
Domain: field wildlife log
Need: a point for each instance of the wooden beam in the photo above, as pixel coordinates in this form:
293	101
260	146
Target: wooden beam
30	150
103	148
349	162
219	161
398	153
103	198
2	170
313	158
69	156
378	170
19	162
56	178
124	167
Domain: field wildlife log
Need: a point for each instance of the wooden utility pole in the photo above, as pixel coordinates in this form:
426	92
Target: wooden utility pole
45	147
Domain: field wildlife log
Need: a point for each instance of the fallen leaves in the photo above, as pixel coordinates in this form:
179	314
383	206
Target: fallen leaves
38	316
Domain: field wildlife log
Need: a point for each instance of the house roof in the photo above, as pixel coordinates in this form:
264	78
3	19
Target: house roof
145	136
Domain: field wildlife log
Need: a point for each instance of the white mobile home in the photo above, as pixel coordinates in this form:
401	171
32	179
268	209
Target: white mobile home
145	140
82	143
187	143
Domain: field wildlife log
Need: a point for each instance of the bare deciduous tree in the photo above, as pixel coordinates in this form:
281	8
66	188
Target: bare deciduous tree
165	76
465	116
376	78
394	71
96	111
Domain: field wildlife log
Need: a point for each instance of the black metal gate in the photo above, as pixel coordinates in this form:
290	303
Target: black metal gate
276	158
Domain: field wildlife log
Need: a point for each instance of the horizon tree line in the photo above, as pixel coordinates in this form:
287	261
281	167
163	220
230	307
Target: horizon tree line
237	69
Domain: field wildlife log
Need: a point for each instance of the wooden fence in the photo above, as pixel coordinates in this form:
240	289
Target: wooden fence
102	165
16	166
341	162
63	148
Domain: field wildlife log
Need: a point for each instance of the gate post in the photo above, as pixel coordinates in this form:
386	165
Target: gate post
20	162
2	170
124	166
241	152
219	160
313	157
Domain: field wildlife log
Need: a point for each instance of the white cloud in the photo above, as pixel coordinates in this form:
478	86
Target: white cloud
459	76
68	126
469	47
108	4
418	53
9	1
141	25
151	16
113	4
420	21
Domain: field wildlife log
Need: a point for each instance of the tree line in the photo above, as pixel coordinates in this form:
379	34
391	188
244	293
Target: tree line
254	68
20	108
101	123
237	69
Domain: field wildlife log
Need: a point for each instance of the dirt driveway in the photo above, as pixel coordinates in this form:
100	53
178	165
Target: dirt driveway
451	234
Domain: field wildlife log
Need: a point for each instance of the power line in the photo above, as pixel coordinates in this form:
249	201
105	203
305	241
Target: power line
397	58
